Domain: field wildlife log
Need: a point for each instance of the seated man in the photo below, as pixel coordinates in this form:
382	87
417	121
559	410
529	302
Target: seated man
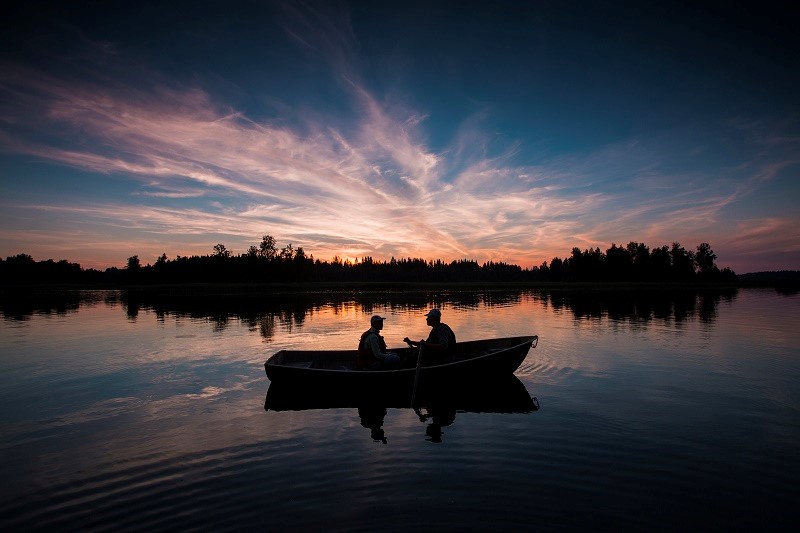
372	354
440	346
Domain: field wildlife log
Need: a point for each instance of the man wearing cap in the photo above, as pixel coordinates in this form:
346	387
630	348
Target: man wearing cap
440	346
372	354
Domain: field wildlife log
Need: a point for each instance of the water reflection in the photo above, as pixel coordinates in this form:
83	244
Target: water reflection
436	408
372	418
22	304
639	305
263	310
130	423
440	416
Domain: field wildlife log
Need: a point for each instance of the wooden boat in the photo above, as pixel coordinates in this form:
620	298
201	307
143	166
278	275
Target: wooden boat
503	394
478	359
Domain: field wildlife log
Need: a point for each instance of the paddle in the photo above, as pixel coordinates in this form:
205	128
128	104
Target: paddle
416	375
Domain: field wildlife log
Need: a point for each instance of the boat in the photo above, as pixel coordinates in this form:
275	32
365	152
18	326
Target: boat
479	359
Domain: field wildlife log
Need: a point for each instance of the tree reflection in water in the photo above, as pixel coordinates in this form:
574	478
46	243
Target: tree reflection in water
264	310
644	305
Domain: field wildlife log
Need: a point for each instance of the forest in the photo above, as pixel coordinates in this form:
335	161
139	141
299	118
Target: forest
266	263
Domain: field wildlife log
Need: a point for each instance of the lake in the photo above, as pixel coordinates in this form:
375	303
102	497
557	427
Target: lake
656	410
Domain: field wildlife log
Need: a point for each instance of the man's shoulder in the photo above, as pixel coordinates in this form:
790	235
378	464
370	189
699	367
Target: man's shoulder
451	335
371	332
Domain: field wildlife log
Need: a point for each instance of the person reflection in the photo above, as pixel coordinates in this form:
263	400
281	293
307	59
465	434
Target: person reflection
372	419
440	416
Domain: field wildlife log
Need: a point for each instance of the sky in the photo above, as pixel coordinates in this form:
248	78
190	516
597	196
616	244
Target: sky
502	131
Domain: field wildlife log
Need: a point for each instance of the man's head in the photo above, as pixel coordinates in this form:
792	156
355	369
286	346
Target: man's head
434	316
376	321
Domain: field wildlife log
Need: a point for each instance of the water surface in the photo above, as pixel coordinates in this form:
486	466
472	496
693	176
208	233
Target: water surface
657	411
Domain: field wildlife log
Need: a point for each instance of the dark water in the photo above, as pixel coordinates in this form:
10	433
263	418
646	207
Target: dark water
656	411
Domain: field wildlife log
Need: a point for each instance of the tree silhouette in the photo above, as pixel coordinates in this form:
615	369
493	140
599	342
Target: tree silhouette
287	253
704	259
635	262
682	263
660	263
619	263
267	248
221	251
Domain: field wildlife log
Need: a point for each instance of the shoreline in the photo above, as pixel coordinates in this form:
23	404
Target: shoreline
262	289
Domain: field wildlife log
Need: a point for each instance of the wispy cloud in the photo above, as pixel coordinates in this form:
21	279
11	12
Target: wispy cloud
200	171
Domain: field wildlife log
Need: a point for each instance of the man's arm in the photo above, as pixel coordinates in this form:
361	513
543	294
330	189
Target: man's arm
412	343
442	340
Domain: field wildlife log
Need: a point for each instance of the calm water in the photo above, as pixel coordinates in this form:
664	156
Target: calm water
656	411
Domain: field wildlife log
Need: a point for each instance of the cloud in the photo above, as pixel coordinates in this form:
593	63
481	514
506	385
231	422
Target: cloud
179	145
767	235
376	187
367	183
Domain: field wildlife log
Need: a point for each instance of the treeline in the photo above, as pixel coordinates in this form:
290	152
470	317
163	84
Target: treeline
22	270
268	264
637	262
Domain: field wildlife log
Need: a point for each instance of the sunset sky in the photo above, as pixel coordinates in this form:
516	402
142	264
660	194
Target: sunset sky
505	131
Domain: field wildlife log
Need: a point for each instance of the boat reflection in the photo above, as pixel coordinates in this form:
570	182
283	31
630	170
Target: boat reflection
437	407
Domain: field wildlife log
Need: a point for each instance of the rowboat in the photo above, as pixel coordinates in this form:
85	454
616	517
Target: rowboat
479	359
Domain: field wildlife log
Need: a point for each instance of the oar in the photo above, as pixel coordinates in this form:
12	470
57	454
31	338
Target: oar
416	375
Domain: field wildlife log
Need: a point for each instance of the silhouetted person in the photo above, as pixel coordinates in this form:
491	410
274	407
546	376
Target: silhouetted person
440	346
372	354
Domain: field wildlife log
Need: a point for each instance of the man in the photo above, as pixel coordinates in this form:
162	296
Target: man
440	346
372	354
